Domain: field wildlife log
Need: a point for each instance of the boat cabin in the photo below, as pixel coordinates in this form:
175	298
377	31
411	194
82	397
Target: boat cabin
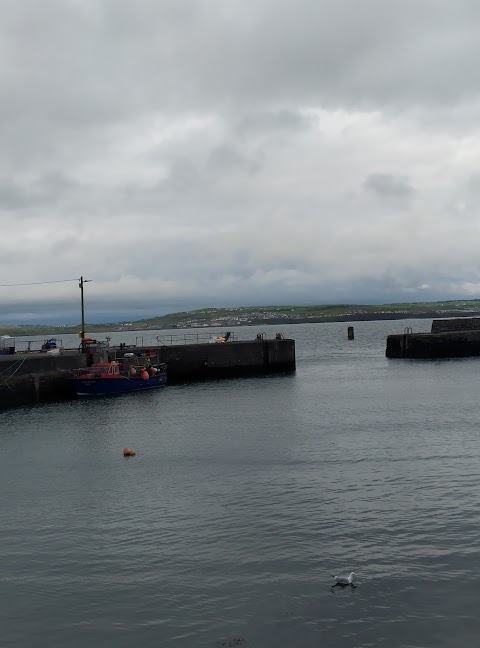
105	370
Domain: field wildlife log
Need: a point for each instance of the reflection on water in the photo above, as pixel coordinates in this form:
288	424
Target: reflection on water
243	499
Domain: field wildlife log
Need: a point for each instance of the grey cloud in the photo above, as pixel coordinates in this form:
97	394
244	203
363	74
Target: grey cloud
153	140
13	196
184	176
116	61
209	181
273	121
473	184
44	190
390	187
227	158
329	52
76	69
167	196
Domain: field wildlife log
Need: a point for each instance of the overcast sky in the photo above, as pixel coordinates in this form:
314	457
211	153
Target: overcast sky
190	153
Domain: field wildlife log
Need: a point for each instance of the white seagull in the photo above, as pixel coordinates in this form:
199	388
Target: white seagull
343	581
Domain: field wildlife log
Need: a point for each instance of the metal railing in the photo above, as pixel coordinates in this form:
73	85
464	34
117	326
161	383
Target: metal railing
196	338
24	346
30	346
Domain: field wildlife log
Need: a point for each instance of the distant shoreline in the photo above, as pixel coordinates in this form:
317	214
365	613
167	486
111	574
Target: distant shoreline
25	331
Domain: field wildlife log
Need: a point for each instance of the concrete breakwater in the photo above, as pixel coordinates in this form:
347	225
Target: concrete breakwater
455	338
36	377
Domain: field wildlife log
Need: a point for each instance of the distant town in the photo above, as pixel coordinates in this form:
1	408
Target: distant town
257	315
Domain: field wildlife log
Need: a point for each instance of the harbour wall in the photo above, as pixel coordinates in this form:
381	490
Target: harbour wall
456	324
452	344
39	377
230	359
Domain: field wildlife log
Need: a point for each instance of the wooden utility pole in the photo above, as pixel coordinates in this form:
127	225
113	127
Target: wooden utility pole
82	332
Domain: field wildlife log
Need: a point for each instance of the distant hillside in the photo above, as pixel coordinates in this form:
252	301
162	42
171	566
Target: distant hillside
258	315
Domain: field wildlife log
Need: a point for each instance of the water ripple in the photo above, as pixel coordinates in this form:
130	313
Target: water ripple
243	498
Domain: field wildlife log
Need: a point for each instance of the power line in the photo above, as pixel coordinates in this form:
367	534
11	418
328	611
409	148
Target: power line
37	283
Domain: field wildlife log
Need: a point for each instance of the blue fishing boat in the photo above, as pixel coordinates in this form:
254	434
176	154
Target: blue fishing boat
105	378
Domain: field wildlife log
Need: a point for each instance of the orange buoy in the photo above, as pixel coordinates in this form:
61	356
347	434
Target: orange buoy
145	375
128	452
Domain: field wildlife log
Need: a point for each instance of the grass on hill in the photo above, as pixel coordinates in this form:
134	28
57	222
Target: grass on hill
262	314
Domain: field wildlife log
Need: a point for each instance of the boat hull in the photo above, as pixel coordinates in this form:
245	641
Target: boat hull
99	386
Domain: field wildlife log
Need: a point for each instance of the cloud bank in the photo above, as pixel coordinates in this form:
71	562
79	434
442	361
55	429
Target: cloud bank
184	153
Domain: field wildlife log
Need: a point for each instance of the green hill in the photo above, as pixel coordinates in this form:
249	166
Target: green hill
258	315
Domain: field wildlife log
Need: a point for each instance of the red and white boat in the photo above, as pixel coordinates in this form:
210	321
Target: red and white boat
104	378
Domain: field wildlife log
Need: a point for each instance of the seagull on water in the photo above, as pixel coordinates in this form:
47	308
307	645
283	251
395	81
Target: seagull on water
343	581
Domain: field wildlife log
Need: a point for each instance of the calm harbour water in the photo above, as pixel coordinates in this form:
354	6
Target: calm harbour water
243	498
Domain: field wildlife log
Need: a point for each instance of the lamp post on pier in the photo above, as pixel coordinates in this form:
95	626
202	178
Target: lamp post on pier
82	332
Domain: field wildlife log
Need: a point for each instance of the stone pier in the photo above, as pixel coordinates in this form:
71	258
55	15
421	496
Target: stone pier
39	377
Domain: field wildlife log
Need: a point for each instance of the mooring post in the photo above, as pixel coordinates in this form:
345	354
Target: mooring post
351	334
